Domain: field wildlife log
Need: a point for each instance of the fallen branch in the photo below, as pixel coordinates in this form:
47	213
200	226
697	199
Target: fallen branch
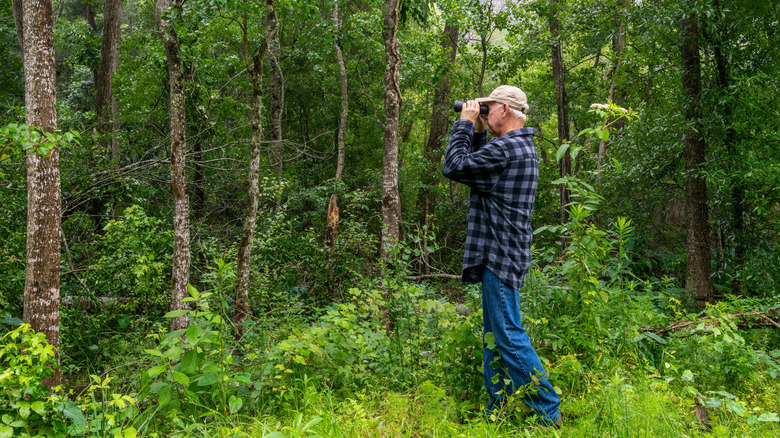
751	319
429	276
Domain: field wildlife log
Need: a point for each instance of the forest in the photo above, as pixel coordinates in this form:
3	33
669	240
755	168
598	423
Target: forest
229	218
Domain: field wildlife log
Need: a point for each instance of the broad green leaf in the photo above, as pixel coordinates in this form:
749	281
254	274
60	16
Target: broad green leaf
181	378
176	313
769	417
165	394
74	413
561	151
574	153
490	341
189	362
235	403
6	432
156	371
154	352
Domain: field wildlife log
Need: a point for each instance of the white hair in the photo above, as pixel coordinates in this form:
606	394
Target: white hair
518	114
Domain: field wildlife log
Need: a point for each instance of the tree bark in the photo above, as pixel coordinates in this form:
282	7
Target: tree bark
391	203
433	148
247	233
616	95
44	208
563	107
164	13
698	283
737	188
109	59
332	226
276	87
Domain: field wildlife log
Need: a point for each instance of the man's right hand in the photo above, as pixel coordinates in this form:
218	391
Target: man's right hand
470	111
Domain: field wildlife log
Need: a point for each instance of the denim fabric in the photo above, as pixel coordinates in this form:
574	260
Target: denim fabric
518	360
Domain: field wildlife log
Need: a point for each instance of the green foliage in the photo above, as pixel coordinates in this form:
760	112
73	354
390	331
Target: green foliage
28	407
135	258
193	373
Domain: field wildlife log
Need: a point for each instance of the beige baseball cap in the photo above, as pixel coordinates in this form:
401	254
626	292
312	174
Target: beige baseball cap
512	96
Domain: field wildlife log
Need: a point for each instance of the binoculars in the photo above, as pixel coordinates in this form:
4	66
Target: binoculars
458	107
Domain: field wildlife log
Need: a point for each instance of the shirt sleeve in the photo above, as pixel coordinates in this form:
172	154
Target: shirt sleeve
479	169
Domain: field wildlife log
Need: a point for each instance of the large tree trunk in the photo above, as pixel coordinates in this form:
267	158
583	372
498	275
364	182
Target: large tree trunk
391	203
276	87
44	210
434	146
109	59
698	283
181	218
247	233
563	107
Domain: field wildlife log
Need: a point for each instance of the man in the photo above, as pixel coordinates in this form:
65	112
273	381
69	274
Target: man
503	175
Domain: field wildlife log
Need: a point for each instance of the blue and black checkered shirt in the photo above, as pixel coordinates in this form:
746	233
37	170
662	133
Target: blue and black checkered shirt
503	175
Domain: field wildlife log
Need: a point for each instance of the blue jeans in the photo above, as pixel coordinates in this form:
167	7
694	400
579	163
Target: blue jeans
518	360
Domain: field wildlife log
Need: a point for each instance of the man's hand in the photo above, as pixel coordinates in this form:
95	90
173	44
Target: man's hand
470	111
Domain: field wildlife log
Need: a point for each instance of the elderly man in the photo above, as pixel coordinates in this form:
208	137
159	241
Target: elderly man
502	175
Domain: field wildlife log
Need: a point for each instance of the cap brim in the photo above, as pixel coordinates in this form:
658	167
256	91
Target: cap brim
485	99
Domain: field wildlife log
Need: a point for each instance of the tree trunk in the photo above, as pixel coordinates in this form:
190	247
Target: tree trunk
616	95
181	219
391	203
332	226
698	283
433	148
109	59
276	87
44	209
737	188
247	233
563	107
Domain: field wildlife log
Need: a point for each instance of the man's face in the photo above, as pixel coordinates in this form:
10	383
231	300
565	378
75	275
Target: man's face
494	118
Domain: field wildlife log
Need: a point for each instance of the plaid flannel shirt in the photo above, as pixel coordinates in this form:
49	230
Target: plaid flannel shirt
503	175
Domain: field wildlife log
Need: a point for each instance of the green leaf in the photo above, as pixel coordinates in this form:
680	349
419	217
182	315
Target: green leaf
165	394
769	417
490	341
235	403
181	378
687	375
208	379
574	153
189	362
6	432
156	371
74	413
618	167
154	353
243	378
561	151
735	407
176	313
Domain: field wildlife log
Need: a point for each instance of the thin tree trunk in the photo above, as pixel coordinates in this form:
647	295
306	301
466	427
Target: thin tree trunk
433	148
181	219
391	204
737	188
44	208
563	108
109	60
276	87
332	226
247	233
698	283
344	98
616	95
